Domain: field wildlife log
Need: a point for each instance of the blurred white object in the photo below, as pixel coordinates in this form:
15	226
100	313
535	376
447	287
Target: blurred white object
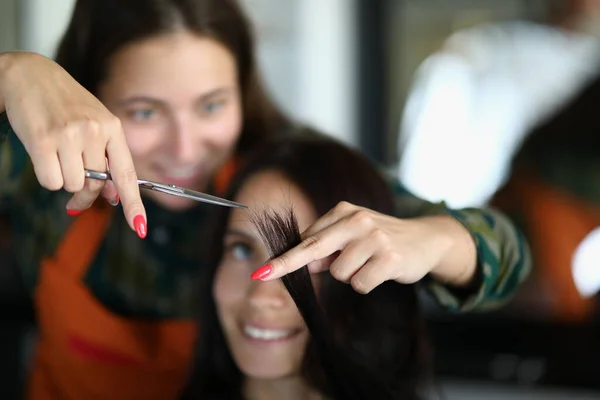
586	265
42	23
473	102
306	51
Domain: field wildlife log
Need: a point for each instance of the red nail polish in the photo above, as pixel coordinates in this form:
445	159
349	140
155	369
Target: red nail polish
73	213
262	272
139	222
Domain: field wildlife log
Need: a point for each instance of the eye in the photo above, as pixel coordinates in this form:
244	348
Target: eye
143	114
241	251
212	107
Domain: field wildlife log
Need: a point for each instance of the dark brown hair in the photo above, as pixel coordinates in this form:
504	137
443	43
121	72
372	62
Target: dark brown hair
99	28
381	332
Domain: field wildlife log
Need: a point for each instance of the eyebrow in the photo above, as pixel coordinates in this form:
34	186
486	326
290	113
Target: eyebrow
147	99
237	232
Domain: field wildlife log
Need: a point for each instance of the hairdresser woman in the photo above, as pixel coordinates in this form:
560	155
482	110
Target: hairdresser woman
168	91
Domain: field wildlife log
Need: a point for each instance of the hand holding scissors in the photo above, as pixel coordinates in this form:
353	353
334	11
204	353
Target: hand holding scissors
65	130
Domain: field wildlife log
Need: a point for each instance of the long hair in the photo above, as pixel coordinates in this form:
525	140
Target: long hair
380	345
99	28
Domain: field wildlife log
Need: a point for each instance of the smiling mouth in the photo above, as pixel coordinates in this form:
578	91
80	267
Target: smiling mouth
182	173
268	335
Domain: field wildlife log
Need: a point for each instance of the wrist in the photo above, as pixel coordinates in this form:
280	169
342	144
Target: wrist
457	264
7	62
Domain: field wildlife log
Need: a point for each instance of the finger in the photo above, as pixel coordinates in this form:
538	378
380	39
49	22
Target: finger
340	212
71	165
371	275
313	248
358	220
109	192
125	179
354	256
93	159
323	264
47	170
333	216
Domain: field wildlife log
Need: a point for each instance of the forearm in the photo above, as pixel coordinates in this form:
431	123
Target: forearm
485	257
458	265
503	262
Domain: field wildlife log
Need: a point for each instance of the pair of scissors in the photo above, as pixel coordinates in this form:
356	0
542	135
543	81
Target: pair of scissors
170	189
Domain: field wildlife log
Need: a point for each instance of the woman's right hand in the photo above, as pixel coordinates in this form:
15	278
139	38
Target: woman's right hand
65	129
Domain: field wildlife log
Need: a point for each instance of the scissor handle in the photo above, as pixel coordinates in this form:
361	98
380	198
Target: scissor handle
159	187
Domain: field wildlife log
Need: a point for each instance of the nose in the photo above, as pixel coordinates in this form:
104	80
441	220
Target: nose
271	294
185	140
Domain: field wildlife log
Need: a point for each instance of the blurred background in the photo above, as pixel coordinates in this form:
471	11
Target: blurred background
474	102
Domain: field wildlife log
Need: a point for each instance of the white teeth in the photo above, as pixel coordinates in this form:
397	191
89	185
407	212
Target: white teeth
182	173
265	334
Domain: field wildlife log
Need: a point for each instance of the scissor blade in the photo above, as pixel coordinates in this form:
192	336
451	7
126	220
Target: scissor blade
207	198
188	194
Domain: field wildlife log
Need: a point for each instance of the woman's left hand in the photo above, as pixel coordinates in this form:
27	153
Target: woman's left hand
366	248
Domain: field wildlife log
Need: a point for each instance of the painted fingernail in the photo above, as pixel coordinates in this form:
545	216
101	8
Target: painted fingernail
262	272
139	222
114	202
73	213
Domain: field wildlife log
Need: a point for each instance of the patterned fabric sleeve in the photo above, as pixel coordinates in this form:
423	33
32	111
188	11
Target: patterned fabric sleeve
14	162
504	259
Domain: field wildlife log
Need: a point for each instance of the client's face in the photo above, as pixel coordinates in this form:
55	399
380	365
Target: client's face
266	335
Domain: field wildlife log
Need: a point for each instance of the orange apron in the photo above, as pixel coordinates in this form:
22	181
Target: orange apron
556	222
84	351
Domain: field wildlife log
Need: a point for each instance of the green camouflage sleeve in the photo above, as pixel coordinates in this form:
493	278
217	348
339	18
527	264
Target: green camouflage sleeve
504	259
14	162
